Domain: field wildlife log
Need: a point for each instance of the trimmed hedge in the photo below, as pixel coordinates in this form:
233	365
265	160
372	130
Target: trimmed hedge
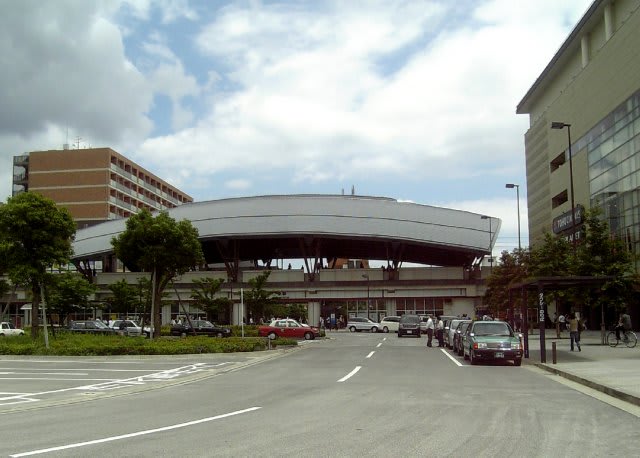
68	344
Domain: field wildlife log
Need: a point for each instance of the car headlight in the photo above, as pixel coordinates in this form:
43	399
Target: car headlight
477	345
515	346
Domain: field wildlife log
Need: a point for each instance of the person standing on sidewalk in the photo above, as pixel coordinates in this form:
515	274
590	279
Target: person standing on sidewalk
430	328
440	331
574	331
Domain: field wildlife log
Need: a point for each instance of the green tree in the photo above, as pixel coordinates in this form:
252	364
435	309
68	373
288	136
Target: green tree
512	268
257	299
161	246
67	293
36	236
600	254
124	299
204	296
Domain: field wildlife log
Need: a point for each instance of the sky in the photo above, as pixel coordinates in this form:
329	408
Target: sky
413	100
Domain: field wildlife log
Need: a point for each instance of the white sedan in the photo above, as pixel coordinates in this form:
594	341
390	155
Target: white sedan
8	329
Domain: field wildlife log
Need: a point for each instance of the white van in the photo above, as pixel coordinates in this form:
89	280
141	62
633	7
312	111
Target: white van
389	323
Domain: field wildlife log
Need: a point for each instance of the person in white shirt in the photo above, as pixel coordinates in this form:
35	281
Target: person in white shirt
430	327
440	332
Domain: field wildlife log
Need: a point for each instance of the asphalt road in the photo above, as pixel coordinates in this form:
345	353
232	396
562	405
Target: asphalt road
351	395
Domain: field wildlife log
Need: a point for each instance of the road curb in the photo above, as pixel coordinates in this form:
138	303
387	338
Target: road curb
591	384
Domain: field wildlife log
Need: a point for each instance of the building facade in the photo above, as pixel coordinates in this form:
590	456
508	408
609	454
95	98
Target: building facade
94	184
590	93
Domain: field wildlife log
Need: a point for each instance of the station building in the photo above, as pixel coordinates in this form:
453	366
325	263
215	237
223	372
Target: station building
582	147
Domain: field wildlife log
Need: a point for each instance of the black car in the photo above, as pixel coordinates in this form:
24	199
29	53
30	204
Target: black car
457	336
409	325
90	327
201	327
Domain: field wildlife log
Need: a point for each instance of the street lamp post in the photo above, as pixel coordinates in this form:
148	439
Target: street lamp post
517	186
562	125
368	305
490	251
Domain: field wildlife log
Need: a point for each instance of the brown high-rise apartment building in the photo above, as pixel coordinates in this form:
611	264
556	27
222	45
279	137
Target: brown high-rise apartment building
94	184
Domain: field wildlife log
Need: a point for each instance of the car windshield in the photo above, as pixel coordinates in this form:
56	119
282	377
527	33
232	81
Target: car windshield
410	319
491	329
100	325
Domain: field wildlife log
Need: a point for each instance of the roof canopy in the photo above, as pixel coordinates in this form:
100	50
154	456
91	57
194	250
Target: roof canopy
321	226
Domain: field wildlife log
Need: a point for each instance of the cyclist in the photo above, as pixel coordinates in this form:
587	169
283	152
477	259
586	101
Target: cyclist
624	324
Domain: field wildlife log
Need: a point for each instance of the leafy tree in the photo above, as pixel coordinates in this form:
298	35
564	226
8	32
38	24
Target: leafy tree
512	268
36	235
67	293
600	254
125	298
161	246
258	300
205	299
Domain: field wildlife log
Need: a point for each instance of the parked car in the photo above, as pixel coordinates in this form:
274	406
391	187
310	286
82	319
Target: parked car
90	327
390	323
288	328
126	327
200	327
450	329
409	325
359	323
457	336
8	329
491	340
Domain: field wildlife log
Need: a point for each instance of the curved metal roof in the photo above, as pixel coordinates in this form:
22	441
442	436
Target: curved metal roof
322	226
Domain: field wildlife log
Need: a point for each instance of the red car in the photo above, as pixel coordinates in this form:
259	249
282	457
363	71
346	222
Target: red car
288	328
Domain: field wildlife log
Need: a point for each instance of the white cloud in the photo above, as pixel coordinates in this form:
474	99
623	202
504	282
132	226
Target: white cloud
392	89
64	67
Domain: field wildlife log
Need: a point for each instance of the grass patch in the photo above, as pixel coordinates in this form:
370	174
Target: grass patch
69	344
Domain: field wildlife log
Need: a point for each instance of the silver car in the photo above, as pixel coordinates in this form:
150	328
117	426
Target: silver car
358	323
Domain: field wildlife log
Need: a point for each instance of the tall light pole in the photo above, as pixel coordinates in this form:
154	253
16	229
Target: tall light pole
517	186
490	250
368	306
562	125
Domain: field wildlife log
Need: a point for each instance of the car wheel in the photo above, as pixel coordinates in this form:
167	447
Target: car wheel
464	354
352	329
374	329
219	334
308	336
385	329
183	334
272	335
472	360
517	362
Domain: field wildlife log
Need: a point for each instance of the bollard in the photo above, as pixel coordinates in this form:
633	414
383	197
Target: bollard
553	352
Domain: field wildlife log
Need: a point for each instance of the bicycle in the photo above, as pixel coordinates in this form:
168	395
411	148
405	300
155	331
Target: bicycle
629	338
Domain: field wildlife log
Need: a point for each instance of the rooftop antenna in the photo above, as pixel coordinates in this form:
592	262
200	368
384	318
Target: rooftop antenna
353	190
65	145
78	142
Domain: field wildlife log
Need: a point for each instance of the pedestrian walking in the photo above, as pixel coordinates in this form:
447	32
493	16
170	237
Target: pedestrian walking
562	323
430	328
574	331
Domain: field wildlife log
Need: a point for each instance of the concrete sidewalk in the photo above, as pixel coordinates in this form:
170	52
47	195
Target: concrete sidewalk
614	371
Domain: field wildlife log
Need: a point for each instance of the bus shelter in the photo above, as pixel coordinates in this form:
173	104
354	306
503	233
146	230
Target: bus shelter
540	286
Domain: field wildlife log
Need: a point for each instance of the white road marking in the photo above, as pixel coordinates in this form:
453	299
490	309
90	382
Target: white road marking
370	354
108	384
44	373
350	374
379	345
139	433
451	357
